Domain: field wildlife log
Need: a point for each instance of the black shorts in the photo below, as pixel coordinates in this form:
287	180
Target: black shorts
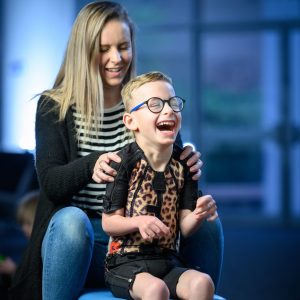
120	275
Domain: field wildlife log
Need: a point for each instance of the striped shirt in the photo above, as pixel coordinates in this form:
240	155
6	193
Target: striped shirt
113	137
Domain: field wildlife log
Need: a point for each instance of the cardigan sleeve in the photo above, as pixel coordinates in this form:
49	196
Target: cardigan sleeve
60	176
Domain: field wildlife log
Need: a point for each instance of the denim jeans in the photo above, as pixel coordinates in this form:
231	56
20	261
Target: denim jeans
73	252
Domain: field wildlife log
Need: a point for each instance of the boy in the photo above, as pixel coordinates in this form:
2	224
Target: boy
25	217
153	198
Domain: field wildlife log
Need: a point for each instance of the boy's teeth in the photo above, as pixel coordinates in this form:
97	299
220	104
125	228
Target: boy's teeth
166	123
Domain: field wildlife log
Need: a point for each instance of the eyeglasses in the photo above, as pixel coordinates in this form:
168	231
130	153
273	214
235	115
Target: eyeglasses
156	105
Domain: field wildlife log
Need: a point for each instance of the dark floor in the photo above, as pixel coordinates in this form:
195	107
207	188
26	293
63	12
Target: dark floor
261	263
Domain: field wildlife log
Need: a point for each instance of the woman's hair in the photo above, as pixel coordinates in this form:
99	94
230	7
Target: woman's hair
138	81
79	81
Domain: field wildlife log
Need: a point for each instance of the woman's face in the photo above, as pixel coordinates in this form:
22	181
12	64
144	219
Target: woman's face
116	53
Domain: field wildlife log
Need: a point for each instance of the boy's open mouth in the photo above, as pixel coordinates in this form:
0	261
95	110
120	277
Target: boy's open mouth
166	126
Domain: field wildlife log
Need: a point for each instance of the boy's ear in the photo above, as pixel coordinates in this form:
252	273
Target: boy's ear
130	121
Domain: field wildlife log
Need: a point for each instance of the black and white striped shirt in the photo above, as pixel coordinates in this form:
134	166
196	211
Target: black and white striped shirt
113	137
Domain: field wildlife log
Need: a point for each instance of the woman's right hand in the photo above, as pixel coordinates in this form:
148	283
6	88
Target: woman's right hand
103	173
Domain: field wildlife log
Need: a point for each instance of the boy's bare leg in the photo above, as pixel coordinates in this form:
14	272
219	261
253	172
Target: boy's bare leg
148	287
194	285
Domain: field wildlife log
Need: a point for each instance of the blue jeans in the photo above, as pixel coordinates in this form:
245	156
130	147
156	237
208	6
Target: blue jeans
74	249
73	252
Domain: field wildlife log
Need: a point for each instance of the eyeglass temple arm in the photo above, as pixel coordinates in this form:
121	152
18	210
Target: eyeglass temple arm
137	107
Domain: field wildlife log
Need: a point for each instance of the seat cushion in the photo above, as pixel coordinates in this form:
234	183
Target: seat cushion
97	294
104	294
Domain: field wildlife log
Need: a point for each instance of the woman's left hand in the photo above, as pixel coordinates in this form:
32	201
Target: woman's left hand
194	162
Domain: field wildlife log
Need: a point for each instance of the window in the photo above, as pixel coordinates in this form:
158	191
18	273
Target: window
237	64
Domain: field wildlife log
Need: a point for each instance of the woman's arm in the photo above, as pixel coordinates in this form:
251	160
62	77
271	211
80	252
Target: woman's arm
59	177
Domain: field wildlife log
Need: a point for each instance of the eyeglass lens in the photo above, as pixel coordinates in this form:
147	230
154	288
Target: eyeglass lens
157	104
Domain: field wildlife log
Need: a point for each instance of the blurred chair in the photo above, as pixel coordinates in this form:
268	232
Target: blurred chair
17	177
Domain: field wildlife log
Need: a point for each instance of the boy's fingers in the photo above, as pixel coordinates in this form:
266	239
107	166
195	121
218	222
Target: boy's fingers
213	216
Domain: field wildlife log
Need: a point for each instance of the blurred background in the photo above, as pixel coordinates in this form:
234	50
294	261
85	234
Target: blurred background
237	63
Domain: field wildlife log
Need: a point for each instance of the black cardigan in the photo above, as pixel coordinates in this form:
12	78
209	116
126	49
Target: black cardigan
61	174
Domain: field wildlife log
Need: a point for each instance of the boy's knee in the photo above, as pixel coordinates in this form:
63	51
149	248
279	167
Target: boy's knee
203	282
158	289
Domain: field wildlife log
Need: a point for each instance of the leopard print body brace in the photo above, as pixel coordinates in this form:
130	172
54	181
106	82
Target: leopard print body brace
152	193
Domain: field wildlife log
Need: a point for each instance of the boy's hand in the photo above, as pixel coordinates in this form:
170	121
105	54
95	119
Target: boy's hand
151	227
206	208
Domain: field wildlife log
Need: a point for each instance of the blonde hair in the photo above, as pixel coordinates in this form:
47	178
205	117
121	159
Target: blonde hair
79	81
138	82
27	207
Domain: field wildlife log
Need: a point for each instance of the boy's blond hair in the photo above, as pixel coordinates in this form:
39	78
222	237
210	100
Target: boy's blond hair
138	82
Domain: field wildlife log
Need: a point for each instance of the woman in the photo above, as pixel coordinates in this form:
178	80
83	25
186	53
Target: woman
78	129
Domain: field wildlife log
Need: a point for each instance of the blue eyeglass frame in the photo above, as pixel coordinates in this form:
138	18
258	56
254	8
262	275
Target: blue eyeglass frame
163	101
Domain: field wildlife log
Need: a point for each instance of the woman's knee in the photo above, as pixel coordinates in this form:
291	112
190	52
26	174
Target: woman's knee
73	224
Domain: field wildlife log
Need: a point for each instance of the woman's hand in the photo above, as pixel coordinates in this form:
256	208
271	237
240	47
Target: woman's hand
103	173
194	162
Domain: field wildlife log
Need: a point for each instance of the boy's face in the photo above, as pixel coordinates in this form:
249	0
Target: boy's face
155	128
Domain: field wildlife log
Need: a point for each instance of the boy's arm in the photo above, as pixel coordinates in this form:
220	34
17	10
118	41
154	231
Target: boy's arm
115	224
191	220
